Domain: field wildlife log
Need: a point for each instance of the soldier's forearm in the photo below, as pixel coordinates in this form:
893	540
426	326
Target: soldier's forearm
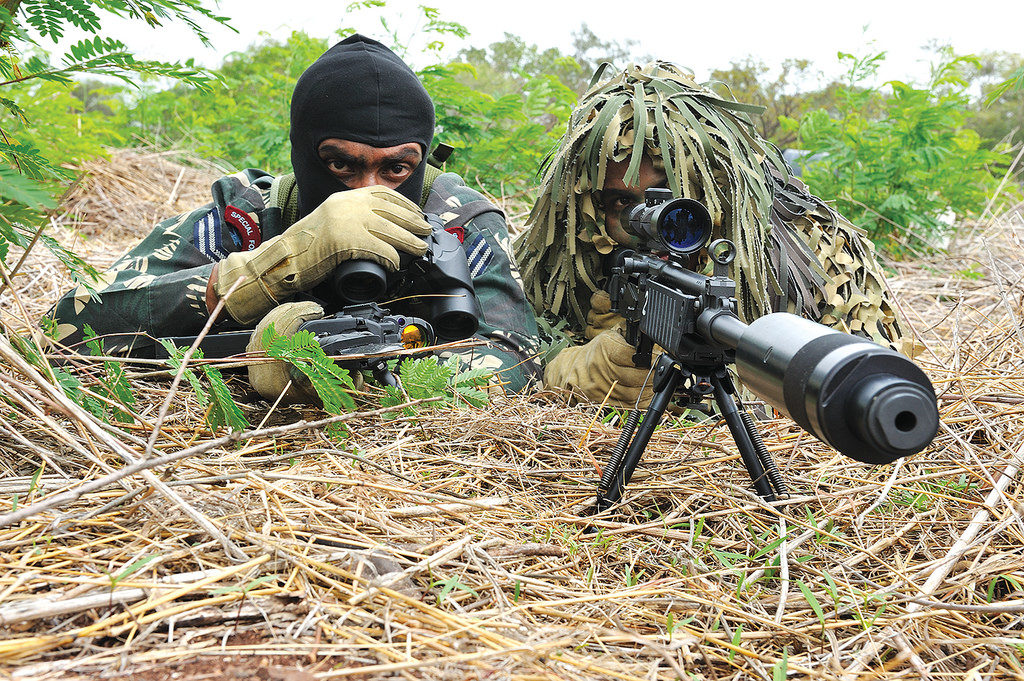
211	294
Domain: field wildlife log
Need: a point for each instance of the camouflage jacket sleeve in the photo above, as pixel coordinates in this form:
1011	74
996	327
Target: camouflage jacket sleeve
508	324
159	287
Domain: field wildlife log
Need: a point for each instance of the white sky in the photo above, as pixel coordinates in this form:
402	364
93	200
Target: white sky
702	36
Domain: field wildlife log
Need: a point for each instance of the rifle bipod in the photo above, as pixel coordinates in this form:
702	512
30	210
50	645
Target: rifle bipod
668	375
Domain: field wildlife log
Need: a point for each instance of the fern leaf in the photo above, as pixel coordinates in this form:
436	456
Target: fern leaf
223	410
175	355
302	351
113	384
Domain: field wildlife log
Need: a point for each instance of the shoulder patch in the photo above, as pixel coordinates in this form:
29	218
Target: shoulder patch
479	255
246	225
207	237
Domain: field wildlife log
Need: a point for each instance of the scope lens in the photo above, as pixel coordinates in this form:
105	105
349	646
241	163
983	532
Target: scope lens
684	225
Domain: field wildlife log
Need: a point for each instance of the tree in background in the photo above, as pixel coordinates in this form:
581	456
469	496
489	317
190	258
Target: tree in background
504	67
1000	116
897	173
786	97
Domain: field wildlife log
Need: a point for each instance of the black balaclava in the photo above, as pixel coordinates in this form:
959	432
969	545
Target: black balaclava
360	91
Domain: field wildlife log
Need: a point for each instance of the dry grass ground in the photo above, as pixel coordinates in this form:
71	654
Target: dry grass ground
457	544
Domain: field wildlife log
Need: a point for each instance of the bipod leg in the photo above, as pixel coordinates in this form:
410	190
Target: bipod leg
620	469
724	390
385	376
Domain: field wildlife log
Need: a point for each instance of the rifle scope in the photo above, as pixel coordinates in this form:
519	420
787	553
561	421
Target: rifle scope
868	402
664	223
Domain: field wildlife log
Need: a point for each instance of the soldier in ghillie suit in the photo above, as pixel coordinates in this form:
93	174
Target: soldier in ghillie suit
361	128
656	127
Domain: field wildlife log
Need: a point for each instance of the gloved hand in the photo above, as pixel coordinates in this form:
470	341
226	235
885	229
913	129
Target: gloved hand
589	371
369	223
270	378
600	317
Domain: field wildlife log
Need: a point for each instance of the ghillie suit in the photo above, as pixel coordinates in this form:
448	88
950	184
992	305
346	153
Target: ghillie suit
794	252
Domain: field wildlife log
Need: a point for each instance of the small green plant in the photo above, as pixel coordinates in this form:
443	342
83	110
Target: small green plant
780	668
1000	583
813	602
970	273
114	383
34	485
449	585
244	589
867	598
427	378
130	569
302	351
219	407
633	577
737	638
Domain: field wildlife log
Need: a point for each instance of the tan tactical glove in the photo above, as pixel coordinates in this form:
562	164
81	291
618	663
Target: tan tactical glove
360	224
270	378
589	371
601	318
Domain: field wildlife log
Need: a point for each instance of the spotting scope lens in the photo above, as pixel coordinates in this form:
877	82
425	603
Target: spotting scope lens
664	223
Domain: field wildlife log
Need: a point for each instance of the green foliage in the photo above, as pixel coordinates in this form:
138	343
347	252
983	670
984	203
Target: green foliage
1013	84
68	382
219	407
223	410
302	351
50	17
896	161
500	142
503	107
113	384
783	95
82	136
426	378
45	126
243	119
501	130
1000	78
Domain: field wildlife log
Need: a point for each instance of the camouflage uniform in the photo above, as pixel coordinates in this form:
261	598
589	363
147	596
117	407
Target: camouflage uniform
794	252
159	287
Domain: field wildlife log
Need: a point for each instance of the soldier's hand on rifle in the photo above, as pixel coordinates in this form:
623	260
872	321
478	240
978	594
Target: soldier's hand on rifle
370	223
600	317
270	379
602	367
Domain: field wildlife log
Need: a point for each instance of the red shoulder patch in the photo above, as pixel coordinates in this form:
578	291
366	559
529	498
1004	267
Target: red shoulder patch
246	225
459	232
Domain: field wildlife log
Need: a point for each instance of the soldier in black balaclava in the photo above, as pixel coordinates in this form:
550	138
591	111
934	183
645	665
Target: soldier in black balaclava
360	121
361	92
361	128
